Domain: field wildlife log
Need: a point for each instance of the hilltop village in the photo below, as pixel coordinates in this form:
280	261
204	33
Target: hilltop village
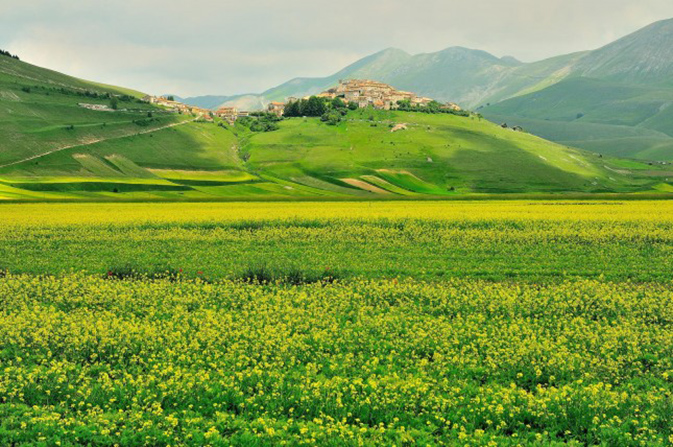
176	106
362	93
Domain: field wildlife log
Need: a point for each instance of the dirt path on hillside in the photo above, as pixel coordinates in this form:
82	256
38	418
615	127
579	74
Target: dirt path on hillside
94	141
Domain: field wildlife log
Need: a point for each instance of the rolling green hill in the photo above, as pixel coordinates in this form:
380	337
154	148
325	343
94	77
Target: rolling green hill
613	118
614	100
437	154
53	148
40	112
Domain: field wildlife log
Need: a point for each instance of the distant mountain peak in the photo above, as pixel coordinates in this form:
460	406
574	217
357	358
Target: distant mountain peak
511	60
644	56
391	51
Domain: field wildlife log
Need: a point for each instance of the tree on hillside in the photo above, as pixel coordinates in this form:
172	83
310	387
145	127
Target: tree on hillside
315	107
8	54
292	109
433	107
331	117
114	103
337	103
404	104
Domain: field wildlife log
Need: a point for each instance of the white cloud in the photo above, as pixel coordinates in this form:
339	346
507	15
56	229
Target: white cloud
227	47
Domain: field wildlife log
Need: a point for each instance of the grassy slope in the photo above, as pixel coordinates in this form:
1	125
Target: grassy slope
114	157
438	155
602	116
39	114
38	106
624	87
466	154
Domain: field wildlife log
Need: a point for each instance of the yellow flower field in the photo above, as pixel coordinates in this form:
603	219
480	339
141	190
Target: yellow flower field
388	323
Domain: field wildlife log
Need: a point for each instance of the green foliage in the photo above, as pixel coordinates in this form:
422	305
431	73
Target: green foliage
292	109
315	106
332	117
260	122
8	54
404	104
337	103
312	107
143	122
433	107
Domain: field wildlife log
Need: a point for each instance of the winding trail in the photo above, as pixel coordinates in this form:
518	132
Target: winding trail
97	140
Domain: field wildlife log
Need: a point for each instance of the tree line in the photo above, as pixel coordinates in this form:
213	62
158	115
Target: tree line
432	107
330	111
8	54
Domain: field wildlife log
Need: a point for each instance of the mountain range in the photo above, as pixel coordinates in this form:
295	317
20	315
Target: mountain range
614	100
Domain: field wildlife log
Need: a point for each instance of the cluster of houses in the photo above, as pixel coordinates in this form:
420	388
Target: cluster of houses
178	106
375	94
230	114
364	93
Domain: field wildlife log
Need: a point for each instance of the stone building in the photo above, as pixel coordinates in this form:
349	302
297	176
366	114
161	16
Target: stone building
277	108
229	114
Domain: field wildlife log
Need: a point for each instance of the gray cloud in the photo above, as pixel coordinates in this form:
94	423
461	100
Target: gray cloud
227	47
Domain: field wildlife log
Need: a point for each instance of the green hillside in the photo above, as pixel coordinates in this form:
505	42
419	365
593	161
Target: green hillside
437	154
613	118
40	112
613	100
55	149
644	57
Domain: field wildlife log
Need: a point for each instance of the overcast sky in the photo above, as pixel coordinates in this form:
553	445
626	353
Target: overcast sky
196	47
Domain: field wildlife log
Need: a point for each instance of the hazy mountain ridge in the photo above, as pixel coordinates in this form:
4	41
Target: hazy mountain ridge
645	56
625	85
528	93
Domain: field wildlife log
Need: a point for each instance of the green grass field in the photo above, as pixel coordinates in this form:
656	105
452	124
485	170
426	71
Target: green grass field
438	155
337	323
55	149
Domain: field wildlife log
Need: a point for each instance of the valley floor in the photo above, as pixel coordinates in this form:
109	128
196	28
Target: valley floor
337	323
